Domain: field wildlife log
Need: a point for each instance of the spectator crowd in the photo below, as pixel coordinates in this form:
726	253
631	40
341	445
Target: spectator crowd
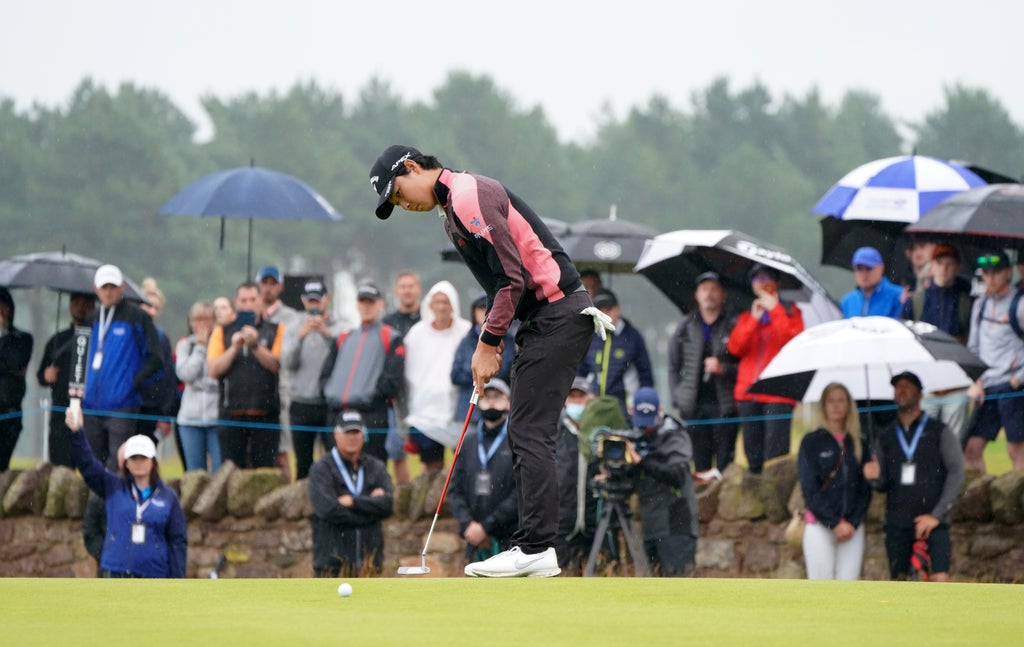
344	405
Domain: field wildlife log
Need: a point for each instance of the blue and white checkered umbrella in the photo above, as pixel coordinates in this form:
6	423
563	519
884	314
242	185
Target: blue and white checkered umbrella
896	189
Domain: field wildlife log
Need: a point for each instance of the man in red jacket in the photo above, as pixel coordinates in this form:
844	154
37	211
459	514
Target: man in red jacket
758	336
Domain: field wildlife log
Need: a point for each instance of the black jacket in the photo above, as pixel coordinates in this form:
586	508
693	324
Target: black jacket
686	364
349	536
939	472
15	353
847	495
496	512
668	503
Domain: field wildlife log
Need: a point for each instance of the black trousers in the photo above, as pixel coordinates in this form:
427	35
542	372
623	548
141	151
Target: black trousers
552	342
106	433
713	443
303	441
254	446
60	440
764	439
10	429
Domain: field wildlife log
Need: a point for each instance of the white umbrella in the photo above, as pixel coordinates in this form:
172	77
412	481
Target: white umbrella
863	353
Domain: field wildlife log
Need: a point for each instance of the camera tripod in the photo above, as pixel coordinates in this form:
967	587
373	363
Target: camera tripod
617	517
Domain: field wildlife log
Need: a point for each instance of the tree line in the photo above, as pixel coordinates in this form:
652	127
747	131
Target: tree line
91	173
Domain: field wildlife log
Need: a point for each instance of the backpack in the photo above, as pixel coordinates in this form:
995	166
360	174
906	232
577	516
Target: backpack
602	412
1014	303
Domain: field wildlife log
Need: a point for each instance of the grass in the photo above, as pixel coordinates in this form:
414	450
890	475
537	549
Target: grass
563	611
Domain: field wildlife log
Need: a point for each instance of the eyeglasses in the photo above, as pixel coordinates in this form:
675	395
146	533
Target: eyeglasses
990	260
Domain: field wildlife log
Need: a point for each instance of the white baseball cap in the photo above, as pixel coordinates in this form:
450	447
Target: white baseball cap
108	275
139	446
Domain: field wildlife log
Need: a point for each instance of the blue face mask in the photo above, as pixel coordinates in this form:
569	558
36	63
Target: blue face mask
575	410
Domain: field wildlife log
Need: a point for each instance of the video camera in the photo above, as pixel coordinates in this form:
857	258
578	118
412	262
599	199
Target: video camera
610	449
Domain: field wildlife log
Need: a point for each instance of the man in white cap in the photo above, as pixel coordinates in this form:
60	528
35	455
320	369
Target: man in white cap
124	351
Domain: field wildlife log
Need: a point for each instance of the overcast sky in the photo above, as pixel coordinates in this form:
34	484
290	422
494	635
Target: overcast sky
570	57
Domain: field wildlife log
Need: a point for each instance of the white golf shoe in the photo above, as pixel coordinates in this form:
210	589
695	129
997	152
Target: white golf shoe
516	563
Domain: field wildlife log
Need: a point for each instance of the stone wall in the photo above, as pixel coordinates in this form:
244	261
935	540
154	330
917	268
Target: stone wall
249	523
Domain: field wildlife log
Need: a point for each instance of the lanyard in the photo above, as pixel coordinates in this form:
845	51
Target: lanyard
355	489
141	507
484	459
604	363
104	324
911	447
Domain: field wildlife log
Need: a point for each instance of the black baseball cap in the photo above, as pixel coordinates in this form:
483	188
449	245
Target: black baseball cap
314	290
708	276
908	376
605	299
382	175
368	291
350	421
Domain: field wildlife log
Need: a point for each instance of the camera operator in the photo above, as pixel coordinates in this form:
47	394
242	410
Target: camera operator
664	486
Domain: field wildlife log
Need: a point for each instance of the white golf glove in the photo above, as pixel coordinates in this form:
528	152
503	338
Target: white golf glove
602	322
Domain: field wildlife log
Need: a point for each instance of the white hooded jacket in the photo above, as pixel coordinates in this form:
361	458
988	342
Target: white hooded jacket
429	353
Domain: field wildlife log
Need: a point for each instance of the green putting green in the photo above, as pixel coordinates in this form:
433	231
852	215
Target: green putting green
532	612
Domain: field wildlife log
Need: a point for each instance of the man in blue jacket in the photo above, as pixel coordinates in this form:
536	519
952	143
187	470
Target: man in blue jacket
874	294
618	364
124	352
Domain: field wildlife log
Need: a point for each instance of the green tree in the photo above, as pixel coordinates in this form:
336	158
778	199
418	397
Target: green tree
973	126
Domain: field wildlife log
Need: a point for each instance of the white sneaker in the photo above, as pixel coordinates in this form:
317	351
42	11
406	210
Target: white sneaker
516	563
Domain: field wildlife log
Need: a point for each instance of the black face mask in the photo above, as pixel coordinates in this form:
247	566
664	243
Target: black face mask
493	415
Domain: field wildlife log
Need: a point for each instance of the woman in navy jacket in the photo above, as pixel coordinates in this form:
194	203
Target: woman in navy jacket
835	490
146	534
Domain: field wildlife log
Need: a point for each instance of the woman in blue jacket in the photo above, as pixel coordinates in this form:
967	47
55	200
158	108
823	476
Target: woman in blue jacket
835	491
146	534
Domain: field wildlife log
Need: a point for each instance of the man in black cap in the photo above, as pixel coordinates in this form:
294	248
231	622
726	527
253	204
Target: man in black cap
996	338
920	466
527	276
702	376
482	496
351	494
307	344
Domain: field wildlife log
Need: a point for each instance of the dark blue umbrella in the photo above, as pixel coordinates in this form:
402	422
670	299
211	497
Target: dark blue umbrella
250	192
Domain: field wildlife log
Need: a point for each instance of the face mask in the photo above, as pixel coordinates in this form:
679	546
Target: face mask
493	415
575	410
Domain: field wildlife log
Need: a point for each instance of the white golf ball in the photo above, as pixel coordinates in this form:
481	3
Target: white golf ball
344	589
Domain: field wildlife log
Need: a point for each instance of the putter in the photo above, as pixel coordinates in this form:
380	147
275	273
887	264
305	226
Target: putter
423	569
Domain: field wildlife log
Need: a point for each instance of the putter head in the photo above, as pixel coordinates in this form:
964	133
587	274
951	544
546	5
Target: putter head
422	569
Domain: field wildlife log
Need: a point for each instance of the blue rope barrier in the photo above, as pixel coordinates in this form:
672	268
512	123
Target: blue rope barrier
948	399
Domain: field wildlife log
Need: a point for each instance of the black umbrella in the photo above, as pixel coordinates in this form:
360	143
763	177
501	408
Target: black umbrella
59	271
250	192
990	217
610	245
673	261
557	228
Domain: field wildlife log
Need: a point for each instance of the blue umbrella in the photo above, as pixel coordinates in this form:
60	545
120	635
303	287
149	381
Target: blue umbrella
895	189
872	204
250	192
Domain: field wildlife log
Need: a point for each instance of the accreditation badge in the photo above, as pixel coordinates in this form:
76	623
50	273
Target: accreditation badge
907	474
97	360
138	533
482	485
